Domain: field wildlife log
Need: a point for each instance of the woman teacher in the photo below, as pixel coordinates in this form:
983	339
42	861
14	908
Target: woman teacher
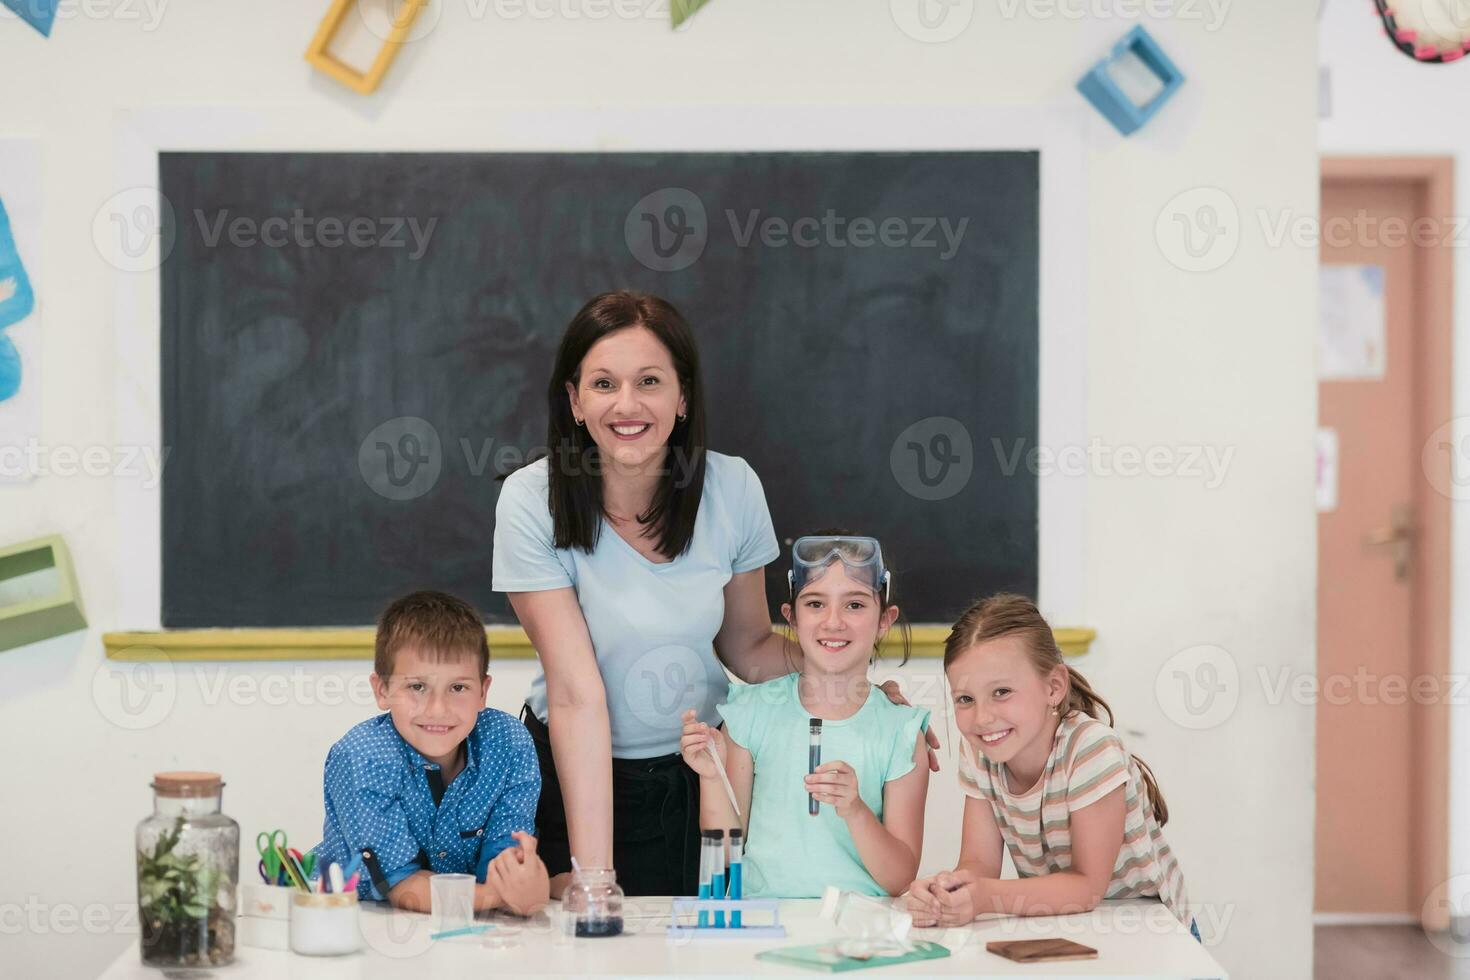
633	559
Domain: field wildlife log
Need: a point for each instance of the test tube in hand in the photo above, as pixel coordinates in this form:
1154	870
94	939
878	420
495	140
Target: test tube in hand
814	759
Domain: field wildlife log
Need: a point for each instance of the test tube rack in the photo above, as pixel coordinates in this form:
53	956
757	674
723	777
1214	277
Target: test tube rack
691	907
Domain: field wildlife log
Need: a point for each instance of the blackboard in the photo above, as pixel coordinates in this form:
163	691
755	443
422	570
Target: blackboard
310	299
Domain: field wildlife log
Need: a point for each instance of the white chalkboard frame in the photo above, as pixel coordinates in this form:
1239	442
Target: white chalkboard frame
1056	133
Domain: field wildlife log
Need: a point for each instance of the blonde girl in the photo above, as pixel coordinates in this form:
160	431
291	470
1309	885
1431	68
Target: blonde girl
1046	779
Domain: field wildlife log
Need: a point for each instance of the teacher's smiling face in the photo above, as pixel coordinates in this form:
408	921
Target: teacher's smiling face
627	393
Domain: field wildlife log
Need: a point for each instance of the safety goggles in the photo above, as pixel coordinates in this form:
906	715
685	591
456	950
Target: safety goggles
862	557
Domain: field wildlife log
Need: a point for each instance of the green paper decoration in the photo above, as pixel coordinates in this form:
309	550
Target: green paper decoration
47	616
684	9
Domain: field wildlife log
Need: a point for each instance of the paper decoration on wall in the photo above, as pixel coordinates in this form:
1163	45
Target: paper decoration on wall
1351	323
20	315
684	9
1326	470
16	303
1133	82
16	298
1435	32
38	13
38	593
390	21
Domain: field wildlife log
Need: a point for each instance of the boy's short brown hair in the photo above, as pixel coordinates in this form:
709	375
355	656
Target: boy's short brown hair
440	626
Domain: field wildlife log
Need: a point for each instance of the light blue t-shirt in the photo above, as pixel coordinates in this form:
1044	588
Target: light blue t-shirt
652	625
788	852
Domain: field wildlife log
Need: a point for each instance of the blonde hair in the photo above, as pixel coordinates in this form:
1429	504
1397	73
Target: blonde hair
1007	614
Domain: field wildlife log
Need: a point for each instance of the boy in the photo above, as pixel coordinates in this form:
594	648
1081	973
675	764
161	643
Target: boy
440	783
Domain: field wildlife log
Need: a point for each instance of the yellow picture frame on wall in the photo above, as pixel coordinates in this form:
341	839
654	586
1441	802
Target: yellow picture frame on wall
362	82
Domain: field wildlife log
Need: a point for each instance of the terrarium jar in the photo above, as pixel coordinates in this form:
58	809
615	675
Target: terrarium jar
594	903
188	864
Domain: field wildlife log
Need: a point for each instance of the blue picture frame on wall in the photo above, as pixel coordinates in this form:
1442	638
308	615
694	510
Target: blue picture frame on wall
1099	87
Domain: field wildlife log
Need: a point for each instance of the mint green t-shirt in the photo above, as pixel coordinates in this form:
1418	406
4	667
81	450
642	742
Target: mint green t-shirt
789	853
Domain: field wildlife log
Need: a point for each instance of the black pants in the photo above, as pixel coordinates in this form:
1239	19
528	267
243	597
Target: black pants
655	820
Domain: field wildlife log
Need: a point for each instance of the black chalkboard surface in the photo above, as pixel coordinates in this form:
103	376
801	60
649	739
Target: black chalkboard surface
355	344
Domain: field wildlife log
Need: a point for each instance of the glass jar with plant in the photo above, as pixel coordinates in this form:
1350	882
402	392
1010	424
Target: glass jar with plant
188	865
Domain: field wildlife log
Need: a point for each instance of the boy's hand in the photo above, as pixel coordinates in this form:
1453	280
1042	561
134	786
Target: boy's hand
518	876
692	746
836	783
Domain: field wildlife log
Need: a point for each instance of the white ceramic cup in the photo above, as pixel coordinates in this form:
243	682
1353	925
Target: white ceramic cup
324	924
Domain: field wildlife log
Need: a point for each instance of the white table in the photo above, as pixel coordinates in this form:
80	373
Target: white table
1136	938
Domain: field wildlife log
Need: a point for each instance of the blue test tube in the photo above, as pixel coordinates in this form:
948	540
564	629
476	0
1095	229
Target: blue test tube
705	862
814	759
717	872
737	859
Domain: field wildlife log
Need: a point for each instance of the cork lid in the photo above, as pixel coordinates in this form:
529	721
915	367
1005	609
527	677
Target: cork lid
187	784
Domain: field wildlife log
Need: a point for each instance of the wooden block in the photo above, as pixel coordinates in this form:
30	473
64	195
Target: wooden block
364	82
506	643
56	611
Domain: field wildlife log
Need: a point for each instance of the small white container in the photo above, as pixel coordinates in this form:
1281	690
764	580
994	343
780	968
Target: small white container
324	924
265	916
266	901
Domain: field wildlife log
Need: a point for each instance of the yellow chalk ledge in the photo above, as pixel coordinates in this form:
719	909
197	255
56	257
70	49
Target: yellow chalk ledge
506	643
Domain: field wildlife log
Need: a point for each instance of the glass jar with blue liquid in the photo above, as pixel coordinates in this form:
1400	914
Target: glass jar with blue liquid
594	903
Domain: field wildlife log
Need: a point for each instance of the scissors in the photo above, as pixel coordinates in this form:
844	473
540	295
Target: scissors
272	847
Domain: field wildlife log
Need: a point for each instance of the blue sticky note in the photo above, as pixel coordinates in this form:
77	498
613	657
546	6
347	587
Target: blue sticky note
38	13
16	298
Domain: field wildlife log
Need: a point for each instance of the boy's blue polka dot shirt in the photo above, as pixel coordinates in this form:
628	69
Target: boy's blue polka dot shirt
380	795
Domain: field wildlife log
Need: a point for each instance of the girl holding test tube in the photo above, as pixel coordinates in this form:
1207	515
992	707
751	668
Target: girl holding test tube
857	820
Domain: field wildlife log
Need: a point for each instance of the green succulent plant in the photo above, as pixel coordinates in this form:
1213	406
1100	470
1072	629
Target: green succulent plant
174	889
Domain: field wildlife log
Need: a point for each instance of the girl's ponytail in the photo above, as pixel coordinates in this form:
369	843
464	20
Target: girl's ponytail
1015	615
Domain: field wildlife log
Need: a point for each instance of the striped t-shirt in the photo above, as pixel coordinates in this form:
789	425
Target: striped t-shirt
1087	762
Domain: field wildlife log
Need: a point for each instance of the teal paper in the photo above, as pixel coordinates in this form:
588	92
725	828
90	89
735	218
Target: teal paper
825	958
38	13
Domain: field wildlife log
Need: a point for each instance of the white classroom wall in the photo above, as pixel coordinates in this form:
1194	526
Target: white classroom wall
1382	102
1219	359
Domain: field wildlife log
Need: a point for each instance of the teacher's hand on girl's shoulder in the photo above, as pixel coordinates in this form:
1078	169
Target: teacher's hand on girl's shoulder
890	688
692	746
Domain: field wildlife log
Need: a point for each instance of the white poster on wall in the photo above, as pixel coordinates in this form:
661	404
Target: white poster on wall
1327	456
20	306
1351	323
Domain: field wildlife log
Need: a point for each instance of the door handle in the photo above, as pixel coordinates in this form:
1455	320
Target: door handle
1397	536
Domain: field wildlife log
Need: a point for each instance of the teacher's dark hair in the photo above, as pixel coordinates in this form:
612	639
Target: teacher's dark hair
574	470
